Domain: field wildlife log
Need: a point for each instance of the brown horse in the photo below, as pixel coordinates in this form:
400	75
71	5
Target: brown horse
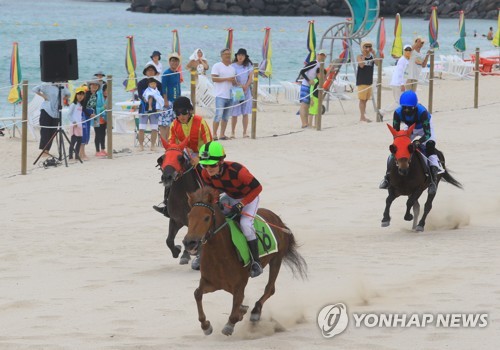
220	267
408	177
179	178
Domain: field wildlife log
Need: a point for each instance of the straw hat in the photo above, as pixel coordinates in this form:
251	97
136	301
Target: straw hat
81	89
366	42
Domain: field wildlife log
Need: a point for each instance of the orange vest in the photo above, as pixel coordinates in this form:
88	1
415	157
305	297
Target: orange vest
193	133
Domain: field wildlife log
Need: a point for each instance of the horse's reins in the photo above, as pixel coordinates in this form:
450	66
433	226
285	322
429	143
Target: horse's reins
212	231
284	229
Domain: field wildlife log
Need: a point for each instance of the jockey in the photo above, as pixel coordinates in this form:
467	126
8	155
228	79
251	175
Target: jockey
411	112
186	125
241	191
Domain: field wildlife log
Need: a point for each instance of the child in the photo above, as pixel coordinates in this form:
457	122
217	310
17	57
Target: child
100	123
75	115
153	97
313	106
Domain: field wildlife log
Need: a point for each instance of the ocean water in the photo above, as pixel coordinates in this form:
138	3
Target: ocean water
101	30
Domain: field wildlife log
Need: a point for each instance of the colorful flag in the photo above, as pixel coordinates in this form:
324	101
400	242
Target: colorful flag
460	43
15	94
266	67
176	47
229	40
433	29
397	45
381	38
311	43
130	64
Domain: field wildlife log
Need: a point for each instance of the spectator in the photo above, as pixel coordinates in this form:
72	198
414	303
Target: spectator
224	77
398	79
99	76
416	63
155	61
198	62
171	82
364	77
49	113
244	76
91	103
102	99
308	74
150	72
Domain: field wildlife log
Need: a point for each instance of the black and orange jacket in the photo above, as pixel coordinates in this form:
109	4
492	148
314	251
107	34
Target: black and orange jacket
236	181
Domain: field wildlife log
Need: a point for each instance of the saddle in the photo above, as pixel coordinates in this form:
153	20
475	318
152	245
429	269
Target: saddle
267	241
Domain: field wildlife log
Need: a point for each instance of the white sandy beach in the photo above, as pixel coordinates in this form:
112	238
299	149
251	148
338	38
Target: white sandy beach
84	263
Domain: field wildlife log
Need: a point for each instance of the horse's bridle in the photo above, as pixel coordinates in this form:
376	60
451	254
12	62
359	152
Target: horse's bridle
212	230
182	172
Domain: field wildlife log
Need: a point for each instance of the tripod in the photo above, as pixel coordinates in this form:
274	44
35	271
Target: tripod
59	135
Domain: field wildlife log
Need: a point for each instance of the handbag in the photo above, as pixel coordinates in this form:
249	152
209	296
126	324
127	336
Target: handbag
237	94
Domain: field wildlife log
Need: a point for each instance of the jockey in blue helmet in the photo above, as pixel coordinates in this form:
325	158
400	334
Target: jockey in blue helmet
411	112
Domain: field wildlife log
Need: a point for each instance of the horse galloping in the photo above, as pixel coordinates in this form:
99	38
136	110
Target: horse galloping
179	177
220	267
407	177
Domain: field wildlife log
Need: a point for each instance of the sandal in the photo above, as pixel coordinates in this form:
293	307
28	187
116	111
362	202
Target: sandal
216	138
224	138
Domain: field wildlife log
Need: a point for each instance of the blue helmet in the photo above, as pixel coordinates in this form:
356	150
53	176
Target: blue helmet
408	98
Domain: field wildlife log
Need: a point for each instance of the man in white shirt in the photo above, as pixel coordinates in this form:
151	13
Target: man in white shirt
224	77
398	79
418	60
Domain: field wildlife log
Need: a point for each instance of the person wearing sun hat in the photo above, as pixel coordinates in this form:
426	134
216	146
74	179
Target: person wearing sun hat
417	61
155	60
364	76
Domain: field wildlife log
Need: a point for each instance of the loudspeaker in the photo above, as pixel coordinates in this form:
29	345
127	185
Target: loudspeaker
58	60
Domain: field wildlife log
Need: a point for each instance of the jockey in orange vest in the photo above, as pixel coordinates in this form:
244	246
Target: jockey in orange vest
186	124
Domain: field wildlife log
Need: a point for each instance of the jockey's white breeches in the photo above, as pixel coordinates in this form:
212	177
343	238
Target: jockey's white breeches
246	221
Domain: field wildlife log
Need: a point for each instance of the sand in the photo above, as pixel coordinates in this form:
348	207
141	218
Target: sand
84	263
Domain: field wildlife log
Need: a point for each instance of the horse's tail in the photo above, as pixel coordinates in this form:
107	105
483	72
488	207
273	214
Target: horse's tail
450	179
293	259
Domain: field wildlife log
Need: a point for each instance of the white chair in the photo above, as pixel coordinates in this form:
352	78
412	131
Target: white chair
292	91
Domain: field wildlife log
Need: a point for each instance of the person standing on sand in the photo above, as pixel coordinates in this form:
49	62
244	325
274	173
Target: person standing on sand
364	77
417	61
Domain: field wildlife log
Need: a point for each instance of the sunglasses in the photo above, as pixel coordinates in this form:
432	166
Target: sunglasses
181	112
408	109
211	166
367	46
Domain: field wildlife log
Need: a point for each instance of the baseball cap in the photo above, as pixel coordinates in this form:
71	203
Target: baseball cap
321	52
407	47
174	55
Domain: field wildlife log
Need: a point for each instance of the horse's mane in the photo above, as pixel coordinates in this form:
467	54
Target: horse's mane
204	194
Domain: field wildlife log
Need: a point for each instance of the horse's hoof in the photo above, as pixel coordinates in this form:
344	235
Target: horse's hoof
184	260
228	329
209	330
408	217
419	228
255	317
385	223
177	250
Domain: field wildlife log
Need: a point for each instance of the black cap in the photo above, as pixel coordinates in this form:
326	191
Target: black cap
156	53
241	52
182	102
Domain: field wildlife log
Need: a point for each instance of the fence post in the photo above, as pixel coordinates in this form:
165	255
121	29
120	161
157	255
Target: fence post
24	130
109	115
431	81
320	95
476	79
193	90
254	98
379	90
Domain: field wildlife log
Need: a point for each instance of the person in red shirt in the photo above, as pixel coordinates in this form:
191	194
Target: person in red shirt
241	191
186	126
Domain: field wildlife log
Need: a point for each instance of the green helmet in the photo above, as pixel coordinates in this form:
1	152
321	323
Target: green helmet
211	153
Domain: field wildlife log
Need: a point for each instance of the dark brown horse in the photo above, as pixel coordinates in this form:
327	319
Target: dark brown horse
179	178
220	266
408	177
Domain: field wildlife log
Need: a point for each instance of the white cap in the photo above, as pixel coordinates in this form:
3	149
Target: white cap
407	47
321	52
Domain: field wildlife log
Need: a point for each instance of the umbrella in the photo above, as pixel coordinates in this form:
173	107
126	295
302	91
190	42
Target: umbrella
15	95
130	64
229	40
311	43
397	45
433	29
176	47
496	38
266	66
460	43
381	38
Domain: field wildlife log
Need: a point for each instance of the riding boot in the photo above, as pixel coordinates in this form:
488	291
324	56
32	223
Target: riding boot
256	267
433	177
163	209
385	183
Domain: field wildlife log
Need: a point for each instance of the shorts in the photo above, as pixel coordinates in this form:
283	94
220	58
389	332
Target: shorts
153	121
305	94
166	117
364	92
223	109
